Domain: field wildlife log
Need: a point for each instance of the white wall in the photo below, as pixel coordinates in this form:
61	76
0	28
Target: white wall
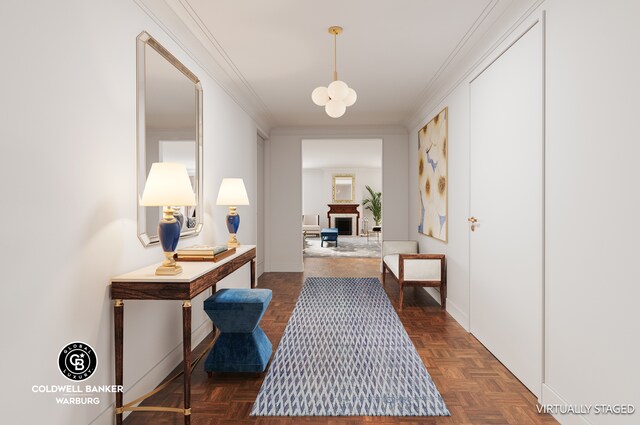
68	168
314	198
260	257
591	344
593	102
317	189
457	247
284	179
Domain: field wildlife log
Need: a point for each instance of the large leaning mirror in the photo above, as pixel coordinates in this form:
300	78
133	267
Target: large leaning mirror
344	188
169	130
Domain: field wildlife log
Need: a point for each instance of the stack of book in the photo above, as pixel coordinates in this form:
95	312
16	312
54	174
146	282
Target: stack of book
204	253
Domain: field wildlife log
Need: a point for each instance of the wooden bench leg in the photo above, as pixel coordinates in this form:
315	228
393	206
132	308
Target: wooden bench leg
443	283
384	273
401	296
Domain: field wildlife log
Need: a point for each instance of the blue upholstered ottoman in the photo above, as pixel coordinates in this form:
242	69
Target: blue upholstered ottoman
329	234
242	346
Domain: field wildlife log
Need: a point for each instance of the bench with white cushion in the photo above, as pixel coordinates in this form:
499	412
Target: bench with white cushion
411	268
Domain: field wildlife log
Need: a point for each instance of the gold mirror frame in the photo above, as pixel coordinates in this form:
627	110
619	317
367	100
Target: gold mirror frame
337	198
143	40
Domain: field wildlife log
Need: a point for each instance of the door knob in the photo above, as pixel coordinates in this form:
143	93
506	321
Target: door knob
472	220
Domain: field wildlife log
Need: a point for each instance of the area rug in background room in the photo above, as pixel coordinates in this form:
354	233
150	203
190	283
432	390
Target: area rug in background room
348	246
345	353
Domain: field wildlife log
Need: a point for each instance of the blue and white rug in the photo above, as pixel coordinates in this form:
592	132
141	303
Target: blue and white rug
345	353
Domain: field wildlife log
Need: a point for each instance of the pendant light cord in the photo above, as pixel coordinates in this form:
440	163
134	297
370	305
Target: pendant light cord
335	57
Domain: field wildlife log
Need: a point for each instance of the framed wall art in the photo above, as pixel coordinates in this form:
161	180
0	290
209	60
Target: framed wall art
433	177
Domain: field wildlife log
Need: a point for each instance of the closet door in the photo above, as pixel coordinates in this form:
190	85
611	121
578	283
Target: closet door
507	198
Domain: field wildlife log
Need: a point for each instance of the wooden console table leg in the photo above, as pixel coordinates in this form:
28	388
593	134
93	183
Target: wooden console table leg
253	273
186	346
118	322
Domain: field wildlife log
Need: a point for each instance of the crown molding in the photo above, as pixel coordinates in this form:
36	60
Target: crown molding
185	29
346	131
462	65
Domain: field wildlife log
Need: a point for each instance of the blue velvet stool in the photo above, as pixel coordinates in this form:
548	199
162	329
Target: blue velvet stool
328	234
242	346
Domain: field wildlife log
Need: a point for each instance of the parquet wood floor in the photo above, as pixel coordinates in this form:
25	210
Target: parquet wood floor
476	387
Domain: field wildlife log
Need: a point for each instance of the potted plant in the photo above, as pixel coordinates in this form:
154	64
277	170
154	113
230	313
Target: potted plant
374	204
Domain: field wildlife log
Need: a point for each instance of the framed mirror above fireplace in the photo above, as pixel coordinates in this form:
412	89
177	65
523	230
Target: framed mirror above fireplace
344	188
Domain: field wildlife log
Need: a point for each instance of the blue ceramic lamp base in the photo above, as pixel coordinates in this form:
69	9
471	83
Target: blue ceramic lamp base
169	235
233	224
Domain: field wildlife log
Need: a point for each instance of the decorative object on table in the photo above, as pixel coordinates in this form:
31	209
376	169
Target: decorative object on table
345	352
365	226
375	230
191	221
242	345
168	185
329	235
374	204
338	95
432	177
178	215
204	253
232	193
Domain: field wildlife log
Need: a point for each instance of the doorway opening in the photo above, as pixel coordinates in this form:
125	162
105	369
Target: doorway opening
341	189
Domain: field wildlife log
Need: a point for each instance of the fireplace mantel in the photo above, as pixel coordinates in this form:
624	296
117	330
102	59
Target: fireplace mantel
351	209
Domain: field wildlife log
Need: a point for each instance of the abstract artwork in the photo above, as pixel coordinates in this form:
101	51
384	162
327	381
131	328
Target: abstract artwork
432	177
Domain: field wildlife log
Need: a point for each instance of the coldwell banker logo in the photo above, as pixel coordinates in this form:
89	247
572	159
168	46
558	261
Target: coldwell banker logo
77	361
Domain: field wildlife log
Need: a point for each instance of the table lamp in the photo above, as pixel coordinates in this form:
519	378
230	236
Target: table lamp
168	185
232	193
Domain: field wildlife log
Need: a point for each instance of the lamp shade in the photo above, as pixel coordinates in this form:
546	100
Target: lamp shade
168	184
232	192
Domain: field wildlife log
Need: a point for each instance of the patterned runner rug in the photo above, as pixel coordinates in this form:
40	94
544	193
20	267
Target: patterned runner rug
345	353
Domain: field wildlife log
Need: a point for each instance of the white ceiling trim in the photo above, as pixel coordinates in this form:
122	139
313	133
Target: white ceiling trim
517	12
424	94
341	132
183	24
164	14
239	88
211	40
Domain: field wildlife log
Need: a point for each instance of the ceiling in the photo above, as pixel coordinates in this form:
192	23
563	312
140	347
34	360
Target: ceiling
391	52
341	153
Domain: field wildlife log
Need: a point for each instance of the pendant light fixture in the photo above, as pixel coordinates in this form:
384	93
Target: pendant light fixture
338	95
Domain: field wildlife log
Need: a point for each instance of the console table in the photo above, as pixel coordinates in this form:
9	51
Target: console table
143	284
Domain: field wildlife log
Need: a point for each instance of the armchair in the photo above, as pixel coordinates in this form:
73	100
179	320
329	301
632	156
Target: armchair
310	224
411	268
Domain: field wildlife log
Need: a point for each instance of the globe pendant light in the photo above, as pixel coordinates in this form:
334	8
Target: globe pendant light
338	95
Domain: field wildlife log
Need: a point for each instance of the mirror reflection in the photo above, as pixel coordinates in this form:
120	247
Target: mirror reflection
169	130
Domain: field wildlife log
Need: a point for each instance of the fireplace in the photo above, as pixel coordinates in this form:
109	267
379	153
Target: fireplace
344	212
344	225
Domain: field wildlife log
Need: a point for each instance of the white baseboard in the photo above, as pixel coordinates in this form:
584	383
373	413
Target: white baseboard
456	312
287	267
549	396
155	375
259	268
